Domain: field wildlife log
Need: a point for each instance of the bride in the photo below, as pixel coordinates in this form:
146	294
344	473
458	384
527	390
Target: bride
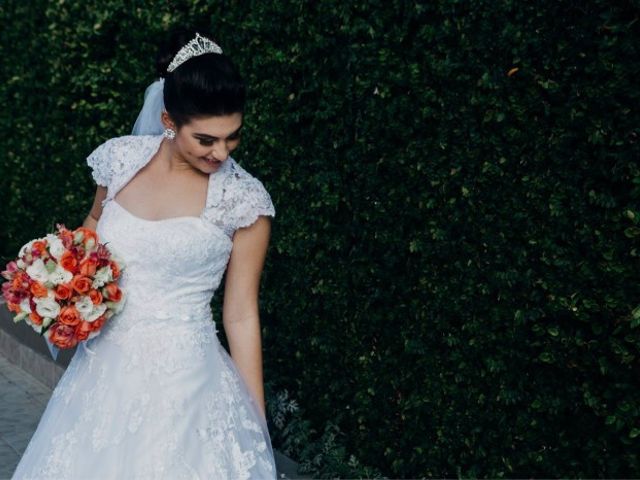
155	394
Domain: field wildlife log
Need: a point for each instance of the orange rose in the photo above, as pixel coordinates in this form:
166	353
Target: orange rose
97	323
88	233
68	262
69	316
40	246
113	292
66	236
20	281
16	283
35	318
63	292
95	296
62	336
38	289
14	307
115	268
88	267
83	329
81	284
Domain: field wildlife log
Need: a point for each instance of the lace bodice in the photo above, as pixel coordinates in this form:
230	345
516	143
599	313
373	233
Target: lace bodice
173	263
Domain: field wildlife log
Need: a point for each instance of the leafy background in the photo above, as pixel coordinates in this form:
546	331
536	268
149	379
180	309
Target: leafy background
452	283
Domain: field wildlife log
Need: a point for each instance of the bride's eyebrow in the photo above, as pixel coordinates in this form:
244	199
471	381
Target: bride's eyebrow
209	137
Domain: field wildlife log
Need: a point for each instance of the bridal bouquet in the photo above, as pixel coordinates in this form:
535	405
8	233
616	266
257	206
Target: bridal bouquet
64	285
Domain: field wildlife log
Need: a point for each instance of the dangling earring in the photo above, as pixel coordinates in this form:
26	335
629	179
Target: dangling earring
169	133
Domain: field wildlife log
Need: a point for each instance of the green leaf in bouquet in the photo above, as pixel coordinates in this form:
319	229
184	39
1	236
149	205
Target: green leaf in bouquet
50	266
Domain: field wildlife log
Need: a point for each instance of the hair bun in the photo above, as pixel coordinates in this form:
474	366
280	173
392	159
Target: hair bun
207	84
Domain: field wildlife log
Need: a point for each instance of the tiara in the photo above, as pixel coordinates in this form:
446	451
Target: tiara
198	46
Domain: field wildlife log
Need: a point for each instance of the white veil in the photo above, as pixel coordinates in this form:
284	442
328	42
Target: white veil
148	122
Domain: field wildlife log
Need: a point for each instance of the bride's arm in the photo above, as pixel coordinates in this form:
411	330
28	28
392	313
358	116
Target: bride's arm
91	220
240	313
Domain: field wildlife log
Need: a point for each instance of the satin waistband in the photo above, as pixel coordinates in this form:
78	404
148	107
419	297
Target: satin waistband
157	318
174	311
135	316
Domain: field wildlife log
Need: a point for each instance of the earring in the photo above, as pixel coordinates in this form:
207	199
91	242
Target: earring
169	133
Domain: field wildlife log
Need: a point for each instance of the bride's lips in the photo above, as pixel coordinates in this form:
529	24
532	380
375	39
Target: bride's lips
213	163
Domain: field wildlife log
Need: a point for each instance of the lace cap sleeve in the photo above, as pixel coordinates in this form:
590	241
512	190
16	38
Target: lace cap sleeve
237	199
100	161
256	201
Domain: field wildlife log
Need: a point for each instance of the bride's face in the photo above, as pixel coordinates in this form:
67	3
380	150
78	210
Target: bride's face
207	142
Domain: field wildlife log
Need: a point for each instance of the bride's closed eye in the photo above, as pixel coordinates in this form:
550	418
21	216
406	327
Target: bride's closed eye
208	143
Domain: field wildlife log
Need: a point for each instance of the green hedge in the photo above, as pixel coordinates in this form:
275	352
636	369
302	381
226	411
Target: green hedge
452	284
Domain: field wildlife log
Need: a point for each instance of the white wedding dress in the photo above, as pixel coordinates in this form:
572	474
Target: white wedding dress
155	395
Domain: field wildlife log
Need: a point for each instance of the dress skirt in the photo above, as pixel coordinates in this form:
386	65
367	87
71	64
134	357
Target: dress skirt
159	400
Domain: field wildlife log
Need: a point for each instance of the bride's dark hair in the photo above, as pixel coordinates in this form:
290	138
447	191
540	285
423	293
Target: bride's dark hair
205	85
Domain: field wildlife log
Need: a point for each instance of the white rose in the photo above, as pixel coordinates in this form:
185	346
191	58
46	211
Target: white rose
25	306
27	246
90	244
84	306
96	312
47	307
60	275
38	271
56	248
102	276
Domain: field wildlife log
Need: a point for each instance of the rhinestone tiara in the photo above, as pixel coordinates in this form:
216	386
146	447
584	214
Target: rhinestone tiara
198	46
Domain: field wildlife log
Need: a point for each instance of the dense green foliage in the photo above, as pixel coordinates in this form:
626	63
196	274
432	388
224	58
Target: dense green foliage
452	284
